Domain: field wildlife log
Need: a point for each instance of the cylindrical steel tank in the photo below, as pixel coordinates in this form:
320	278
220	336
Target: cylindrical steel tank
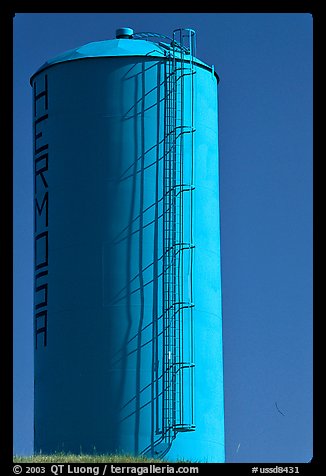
112	373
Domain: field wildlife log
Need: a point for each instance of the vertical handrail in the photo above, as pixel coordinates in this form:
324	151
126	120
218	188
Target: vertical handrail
192	46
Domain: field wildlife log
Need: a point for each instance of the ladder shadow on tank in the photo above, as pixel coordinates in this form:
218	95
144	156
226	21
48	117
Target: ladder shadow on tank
138	235
147	290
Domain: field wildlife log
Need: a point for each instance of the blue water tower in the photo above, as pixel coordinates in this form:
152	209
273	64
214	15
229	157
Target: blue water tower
127	296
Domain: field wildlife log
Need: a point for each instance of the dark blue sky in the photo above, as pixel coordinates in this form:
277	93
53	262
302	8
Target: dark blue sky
265	133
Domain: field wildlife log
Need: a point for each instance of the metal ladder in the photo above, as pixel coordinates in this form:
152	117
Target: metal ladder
178	343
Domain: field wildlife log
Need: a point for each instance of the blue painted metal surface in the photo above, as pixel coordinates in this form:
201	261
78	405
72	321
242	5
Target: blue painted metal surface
99	177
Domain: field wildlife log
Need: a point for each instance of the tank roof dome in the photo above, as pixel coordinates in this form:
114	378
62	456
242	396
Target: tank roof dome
112	48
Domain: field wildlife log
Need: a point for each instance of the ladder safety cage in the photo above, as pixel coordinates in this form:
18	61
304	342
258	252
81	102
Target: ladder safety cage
178	246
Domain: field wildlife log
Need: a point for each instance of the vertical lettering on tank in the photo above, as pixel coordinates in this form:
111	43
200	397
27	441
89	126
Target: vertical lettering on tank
41	210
